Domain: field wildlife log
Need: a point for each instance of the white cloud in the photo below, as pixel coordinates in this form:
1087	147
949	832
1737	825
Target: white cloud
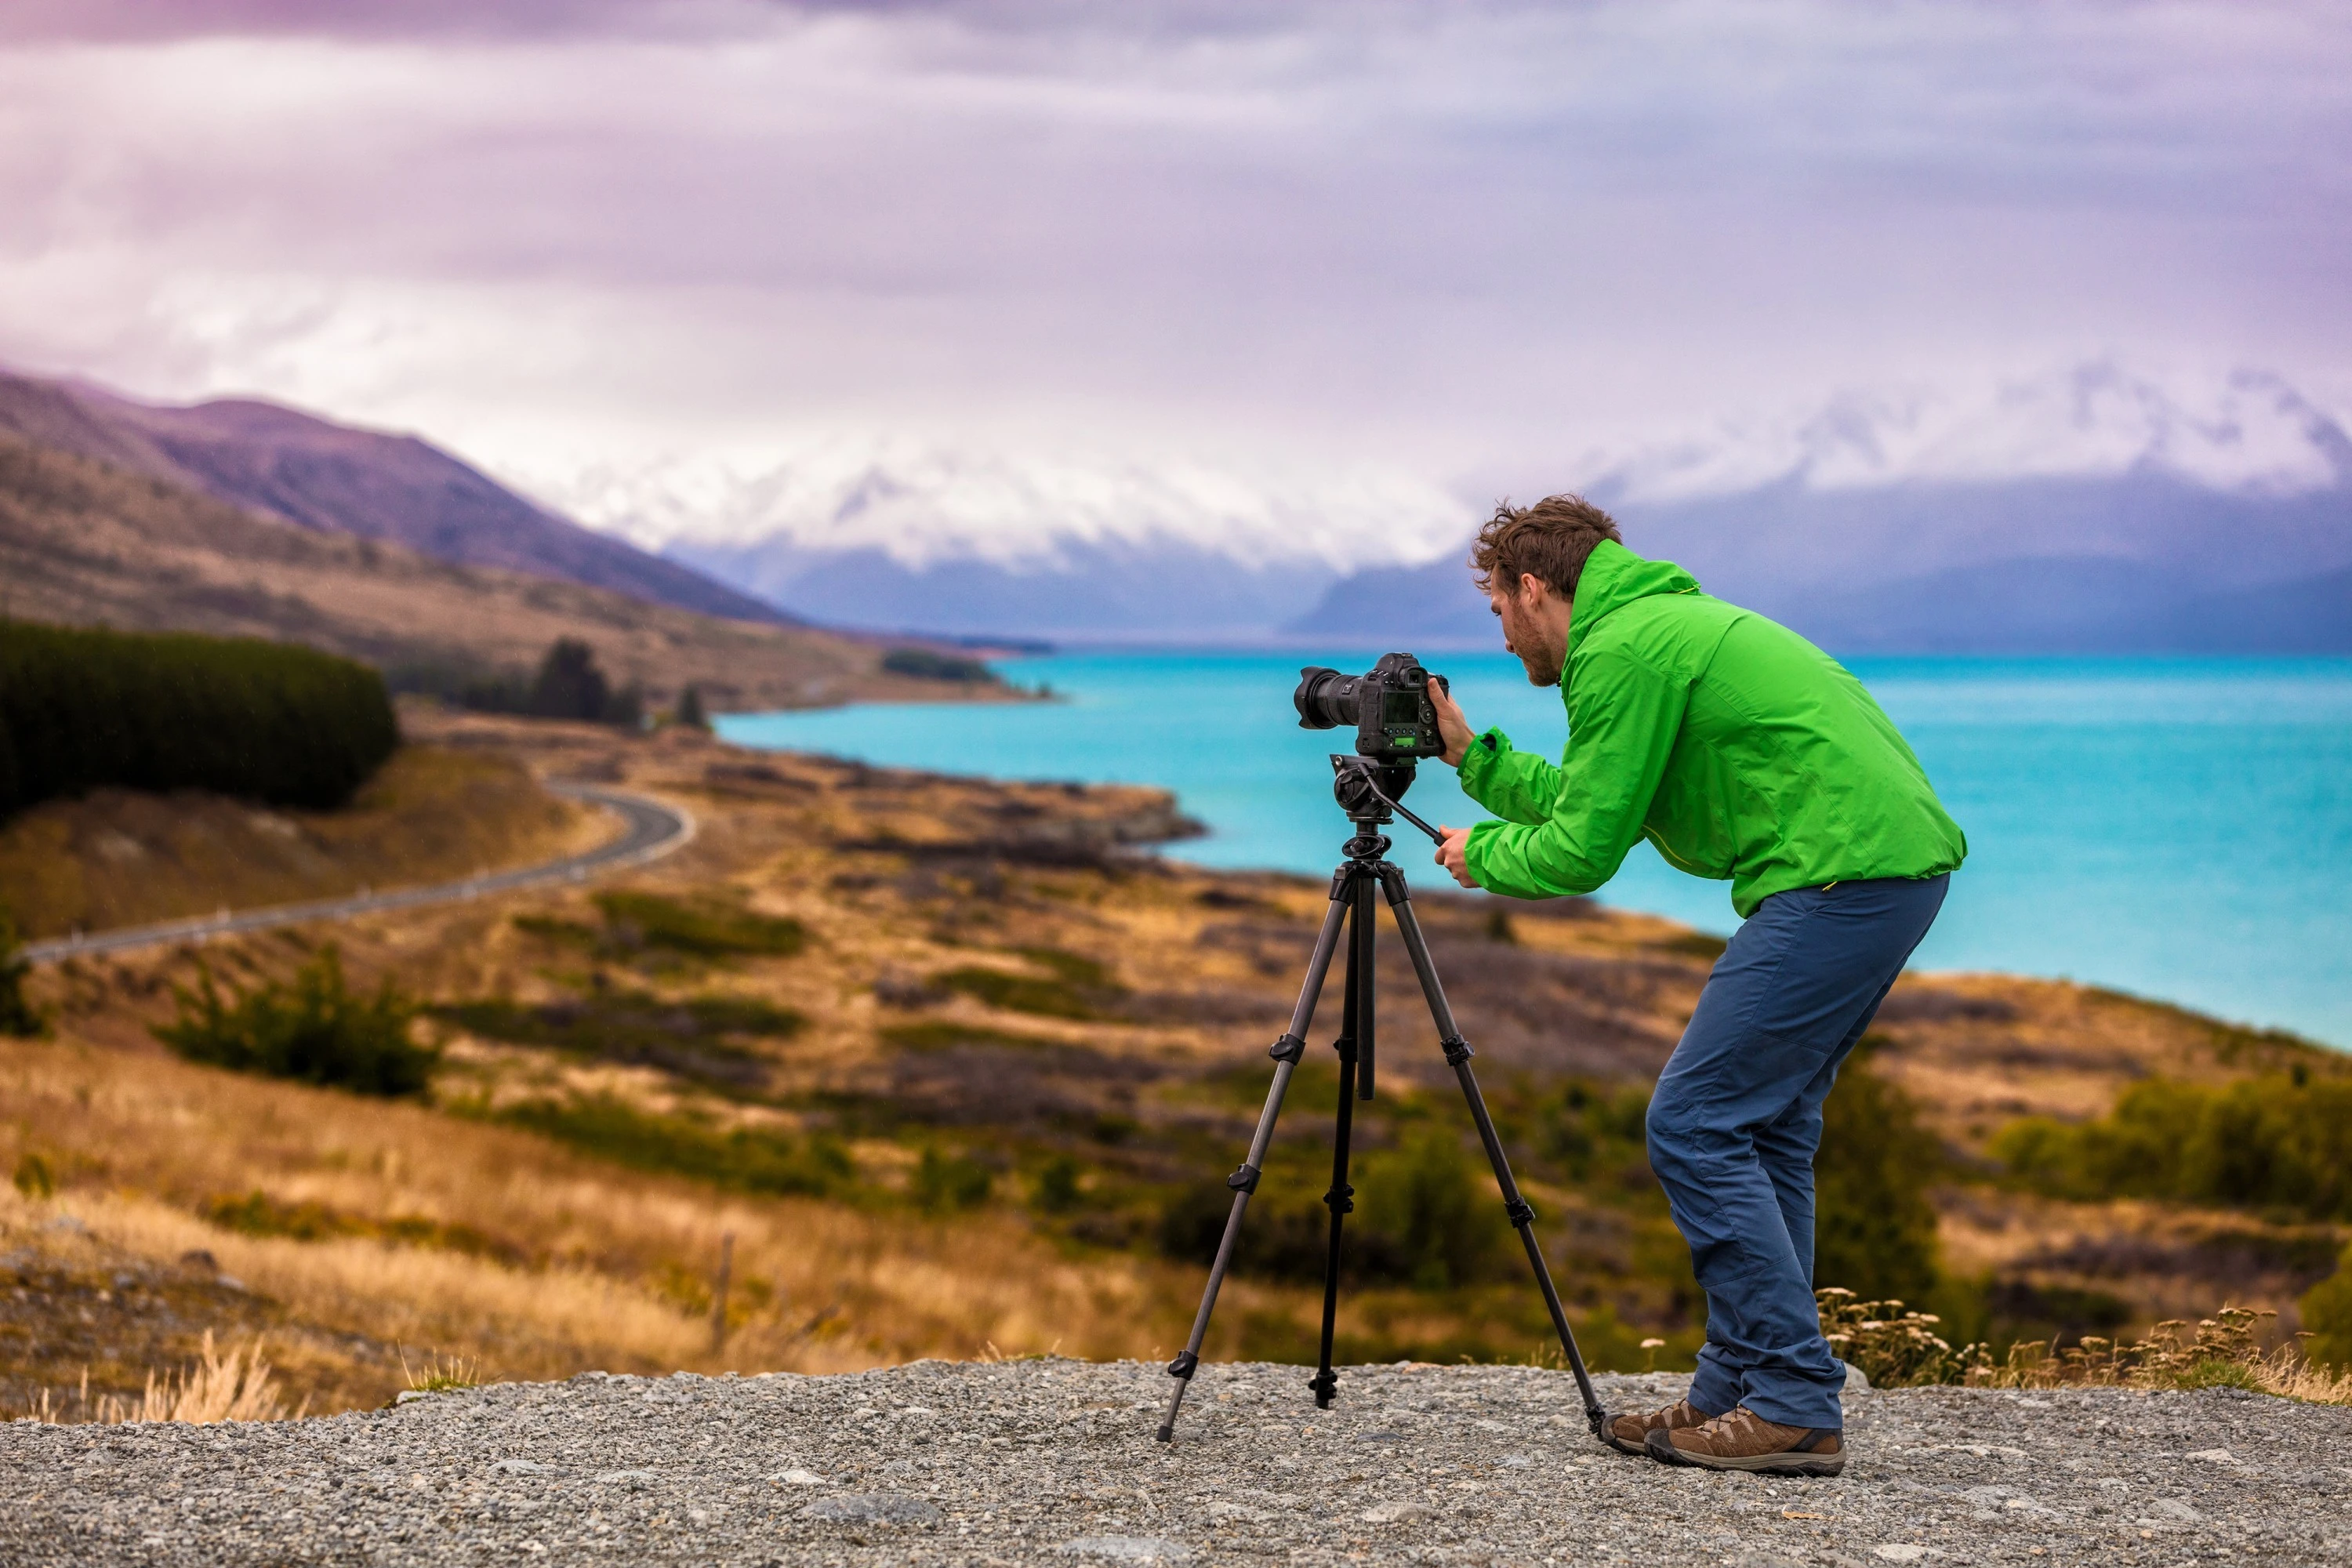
1201	269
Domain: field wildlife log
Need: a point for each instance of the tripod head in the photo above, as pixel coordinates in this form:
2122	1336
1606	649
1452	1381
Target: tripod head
1367	791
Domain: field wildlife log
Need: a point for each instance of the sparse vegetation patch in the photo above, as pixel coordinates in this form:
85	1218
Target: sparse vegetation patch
697	1038
2280	1141
257	1213
315	1030
752	1160
701	929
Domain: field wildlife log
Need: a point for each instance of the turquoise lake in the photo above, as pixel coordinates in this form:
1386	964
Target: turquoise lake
2176	828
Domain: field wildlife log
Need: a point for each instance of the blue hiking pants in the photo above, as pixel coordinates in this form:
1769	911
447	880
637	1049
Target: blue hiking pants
1738	1116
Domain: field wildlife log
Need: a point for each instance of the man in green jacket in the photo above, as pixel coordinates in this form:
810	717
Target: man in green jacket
1741	752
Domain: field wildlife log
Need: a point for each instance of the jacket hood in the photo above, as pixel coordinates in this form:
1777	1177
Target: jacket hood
1613	577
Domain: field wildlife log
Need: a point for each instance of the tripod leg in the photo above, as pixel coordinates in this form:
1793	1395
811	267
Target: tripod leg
1457	1055
1286	1052
1354	1043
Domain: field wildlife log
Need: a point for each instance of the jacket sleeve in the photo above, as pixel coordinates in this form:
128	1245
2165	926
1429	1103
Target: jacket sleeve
1518	786
1622	721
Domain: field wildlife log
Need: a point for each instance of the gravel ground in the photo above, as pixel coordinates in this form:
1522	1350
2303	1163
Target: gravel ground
1054	1461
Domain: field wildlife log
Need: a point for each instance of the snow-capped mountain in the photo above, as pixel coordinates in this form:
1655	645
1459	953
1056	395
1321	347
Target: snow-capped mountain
1870	521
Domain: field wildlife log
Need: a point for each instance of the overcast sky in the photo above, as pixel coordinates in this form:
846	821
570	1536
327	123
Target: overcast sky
1466	243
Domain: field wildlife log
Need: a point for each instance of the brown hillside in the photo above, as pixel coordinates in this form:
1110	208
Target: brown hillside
336	478
970	1086
83	542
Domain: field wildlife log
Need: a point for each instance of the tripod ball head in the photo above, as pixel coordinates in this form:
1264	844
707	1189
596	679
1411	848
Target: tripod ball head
1358	783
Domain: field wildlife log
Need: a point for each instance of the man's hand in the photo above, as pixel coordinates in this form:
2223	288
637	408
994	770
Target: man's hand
1452	728
1452	854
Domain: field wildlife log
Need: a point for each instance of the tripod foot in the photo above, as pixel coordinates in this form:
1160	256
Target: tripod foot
1325	1384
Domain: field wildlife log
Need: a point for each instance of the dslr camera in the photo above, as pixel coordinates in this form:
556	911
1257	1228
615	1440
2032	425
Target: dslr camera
1388	705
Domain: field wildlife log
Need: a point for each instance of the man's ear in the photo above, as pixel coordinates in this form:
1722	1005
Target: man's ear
1532	589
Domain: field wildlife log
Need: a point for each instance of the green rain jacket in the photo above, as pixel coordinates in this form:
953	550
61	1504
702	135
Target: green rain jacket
1737	747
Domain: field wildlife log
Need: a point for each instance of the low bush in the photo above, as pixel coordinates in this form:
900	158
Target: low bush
703	931
2327	1316
925	664
1873	1227
943	1182
695	1037
19	1016
259	1214
1076	987
2282	1143
262	721
314	1030
752	1160
1427	1214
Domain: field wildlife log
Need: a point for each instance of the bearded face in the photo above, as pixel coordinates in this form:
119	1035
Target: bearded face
1538	638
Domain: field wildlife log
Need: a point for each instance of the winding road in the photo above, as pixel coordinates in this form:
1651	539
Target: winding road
650	830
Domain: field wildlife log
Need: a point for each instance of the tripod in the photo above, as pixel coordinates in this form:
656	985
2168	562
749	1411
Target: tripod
1366	791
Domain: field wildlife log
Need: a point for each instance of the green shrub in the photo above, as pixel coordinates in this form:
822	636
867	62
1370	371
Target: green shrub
1427	1214
752	1160
259	720
33	1177
946	1182
924	664
2282	1142
703	931
2328	1315
570	686
313	1030
1588	1128
1874	1229
259	1214
1079	987
19	1016
694	1038
1057	1190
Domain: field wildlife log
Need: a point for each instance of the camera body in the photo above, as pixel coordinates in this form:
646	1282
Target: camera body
1388	705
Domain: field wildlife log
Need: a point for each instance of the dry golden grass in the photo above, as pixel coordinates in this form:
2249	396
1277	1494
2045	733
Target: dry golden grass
238	1386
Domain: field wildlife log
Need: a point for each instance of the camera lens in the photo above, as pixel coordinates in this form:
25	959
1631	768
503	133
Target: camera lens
1324	699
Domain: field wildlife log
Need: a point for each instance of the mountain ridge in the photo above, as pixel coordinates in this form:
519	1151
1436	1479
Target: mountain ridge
339	479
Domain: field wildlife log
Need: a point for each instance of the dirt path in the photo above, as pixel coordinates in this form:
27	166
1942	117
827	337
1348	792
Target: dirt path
1054	1462
650	829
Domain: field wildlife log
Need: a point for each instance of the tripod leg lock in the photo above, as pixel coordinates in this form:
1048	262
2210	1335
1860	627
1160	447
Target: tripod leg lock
1342	1199
1185	1363
1522	1212
1243	1179
1457	1050
1325	1384
1289	1049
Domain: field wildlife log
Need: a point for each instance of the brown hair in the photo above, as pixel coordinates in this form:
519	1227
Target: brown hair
1549	540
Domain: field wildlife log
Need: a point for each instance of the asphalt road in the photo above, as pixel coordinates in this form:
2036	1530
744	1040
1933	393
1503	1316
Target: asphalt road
651	829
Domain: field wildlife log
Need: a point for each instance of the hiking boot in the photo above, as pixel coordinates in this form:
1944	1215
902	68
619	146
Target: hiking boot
1627	1433
1744	1441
